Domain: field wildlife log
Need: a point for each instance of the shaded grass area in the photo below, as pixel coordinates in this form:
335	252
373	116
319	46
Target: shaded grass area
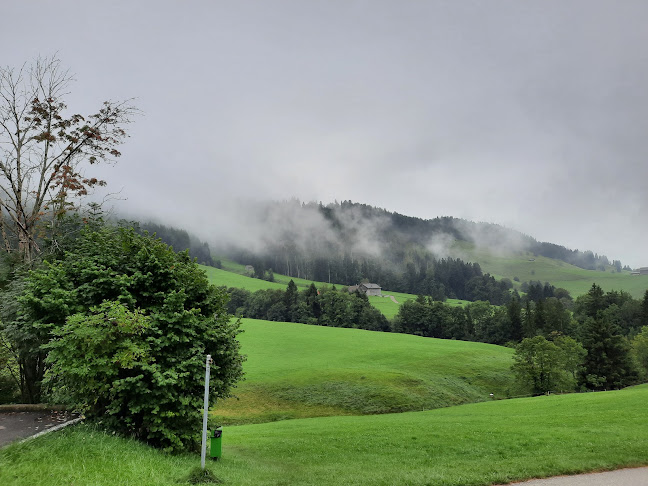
296	370
477	444
81	455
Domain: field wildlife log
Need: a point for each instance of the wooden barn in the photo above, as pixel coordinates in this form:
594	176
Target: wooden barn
370	289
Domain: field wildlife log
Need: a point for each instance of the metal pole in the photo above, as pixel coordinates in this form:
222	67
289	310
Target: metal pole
203	452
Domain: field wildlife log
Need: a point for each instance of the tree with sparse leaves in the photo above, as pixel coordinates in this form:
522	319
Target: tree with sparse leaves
44	150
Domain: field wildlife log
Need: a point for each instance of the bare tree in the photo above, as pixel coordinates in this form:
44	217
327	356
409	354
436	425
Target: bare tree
43	151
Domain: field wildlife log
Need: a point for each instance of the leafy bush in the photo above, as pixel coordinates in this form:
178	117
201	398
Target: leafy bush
9	390
141	375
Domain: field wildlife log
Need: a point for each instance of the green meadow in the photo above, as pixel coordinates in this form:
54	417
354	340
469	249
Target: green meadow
390	308
526	266
230	276
471	445
296	371
220	277
234	267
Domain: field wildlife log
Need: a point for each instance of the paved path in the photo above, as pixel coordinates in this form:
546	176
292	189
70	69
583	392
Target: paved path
622	477
20	425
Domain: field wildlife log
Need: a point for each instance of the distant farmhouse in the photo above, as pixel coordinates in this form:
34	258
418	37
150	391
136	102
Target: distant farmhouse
366	288
370	289
641	271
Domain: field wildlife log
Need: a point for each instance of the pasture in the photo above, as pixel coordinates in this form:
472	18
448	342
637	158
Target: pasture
576	280
296	371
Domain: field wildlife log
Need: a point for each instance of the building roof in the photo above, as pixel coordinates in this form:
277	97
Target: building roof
371	286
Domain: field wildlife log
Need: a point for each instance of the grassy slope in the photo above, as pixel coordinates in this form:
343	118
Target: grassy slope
296	370
234	267
389	308
230	276
477	444
576	280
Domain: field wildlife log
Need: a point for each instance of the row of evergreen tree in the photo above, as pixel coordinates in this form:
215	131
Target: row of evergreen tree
180	240
327	306
603	324
441	279
362	232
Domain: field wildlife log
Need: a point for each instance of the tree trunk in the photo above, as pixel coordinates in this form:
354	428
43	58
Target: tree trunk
32	373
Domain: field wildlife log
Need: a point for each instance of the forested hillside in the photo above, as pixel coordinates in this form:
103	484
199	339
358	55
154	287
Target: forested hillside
347	242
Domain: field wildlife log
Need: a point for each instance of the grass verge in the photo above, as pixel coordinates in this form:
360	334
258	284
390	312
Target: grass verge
477	444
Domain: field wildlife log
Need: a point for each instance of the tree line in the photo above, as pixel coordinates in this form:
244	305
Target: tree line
444	278
353	241
327	306
180	240
599	341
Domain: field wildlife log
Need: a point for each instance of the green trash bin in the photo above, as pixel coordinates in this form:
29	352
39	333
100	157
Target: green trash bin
215	450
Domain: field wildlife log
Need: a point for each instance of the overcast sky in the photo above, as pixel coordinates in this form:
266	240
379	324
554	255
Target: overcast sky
530	114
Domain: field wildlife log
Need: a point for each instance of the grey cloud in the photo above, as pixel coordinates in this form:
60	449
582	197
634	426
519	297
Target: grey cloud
529	114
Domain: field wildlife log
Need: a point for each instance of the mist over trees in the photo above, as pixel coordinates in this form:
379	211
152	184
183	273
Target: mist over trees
341	242
347	243
180	240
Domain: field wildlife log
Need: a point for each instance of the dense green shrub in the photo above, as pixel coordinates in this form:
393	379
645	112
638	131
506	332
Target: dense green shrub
9	372
144	378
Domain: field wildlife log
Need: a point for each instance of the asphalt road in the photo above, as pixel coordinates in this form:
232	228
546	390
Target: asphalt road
20	425
622	477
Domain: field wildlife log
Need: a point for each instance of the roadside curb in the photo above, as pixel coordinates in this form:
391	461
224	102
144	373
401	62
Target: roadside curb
32	407
52	429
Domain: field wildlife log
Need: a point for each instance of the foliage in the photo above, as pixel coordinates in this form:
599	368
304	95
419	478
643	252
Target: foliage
9	371
325	307
44	150
21	348
476	321
180	240
542	364
188	320
99	360
608	364
640	351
